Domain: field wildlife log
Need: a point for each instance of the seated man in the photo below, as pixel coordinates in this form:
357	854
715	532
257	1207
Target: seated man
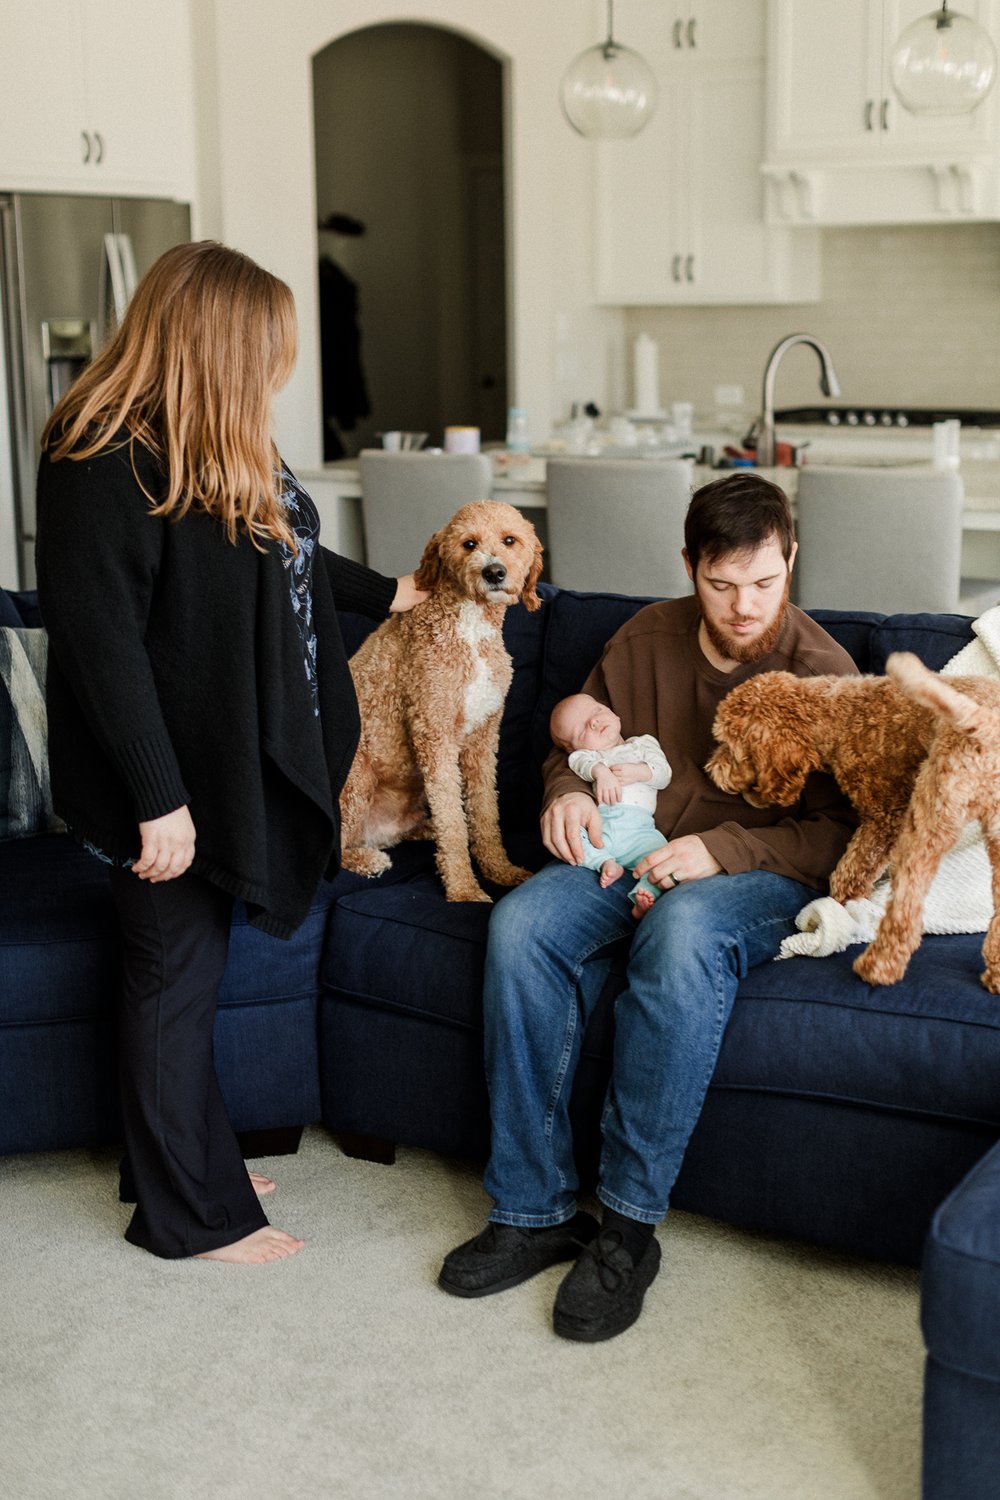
733	877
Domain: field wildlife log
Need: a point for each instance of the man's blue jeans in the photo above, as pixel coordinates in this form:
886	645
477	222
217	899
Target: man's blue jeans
688	954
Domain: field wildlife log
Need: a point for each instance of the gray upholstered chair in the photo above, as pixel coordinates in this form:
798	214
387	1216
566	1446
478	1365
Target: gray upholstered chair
888	540
618	524
406	497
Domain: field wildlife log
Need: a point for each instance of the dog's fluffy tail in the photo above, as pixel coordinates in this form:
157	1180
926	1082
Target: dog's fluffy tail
937	694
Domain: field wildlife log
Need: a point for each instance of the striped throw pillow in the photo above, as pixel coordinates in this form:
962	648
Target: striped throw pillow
25	799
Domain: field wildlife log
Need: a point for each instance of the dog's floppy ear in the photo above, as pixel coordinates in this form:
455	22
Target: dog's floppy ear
783	763
428	575
529	596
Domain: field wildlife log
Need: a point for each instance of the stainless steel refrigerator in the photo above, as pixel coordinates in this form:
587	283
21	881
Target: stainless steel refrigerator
68	266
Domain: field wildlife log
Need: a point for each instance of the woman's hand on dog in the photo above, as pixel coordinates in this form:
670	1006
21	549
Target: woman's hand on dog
681	859
407	595
562	821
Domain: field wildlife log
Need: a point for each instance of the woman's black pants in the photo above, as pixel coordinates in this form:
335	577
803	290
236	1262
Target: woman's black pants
192	1189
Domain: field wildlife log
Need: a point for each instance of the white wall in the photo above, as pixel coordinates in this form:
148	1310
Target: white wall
261	195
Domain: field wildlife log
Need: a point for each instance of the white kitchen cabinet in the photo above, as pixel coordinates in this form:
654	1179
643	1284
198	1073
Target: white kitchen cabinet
97	97
841	147
680	207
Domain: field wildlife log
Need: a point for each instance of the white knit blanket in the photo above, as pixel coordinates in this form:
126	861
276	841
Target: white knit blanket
960	898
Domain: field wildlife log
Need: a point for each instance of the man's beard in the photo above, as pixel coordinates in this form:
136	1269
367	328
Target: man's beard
762	645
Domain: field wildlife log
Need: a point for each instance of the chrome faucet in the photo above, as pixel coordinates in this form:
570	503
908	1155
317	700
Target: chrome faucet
828	384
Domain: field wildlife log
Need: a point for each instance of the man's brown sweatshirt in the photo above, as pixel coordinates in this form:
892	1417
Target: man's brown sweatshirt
655	676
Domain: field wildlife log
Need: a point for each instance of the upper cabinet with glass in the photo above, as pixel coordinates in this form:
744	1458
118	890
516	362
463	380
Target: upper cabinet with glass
841	148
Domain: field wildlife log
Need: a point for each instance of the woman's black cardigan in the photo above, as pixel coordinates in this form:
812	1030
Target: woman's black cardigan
176	676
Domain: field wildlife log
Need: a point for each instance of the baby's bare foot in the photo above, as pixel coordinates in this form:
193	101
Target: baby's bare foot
262	1185
641	902
264	1244
611	871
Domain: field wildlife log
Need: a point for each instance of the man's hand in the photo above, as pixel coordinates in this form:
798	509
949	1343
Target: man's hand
606	784
167	846
561	824
679	860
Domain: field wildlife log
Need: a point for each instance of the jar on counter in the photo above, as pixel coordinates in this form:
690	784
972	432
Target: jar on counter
518	437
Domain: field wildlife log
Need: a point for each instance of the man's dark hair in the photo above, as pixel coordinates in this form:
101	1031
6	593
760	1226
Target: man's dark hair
737	513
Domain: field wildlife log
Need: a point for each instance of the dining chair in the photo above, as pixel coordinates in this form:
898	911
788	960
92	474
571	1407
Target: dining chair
888	540
406	497
617	525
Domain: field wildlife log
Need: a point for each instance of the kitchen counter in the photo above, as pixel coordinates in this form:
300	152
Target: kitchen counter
336	488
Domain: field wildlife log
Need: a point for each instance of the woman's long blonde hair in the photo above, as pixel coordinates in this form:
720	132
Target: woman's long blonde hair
207	339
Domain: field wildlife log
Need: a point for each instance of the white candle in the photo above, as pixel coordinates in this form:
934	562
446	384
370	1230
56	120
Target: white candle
647	376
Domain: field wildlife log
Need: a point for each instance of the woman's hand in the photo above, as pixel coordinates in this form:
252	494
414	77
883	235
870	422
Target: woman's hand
167	846
406	596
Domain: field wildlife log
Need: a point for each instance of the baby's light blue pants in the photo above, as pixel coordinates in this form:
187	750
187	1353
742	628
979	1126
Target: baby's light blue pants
629	833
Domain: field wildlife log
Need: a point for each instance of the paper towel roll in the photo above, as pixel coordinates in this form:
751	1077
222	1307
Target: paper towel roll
647	376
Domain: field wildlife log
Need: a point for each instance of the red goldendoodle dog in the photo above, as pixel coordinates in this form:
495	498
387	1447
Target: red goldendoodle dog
917	754
431	686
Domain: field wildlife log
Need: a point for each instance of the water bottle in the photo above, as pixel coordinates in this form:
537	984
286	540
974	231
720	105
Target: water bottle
518	440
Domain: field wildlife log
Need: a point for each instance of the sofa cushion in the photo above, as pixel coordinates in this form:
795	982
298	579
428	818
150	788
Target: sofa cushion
961	1303
934	638
852	629
807	1028
59	939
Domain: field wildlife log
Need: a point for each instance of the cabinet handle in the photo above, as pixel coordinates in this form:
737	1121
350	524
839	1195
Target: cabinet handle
100	148
676	268
869	113
689	268
691	37
678	38
883	115
86	146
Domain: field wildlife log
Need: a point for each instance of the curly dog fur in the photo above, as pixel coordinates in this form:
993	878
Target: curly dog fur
431	686
917	754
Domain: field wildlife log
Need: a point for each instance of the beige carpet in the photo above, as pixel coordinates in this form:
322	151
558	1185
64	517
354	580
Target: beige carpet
759	1370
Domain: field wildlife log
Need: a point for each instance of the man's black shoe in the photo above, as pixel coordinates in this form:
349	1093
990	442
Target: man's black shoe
504	1255
602	1294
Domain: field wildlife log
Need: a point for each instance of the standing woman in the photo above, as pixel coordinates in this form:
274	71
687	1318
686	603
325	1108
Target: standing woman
201	713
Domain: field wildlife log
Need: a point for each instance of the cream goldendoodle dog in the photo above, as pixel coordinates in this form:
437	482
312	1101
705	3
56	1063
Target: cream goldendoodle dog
917	754
431	686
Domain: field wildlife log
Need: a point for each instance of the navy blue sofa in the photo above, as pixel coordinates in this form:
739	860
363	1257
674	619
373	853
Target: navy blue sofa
864	1119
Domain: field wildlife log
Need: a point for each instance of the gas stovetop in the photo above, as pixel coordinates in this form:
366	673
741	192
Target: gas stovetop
883	416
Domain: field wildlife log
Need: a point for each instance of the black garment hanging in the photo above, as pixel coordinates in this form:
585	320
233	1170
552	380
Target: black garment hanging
345	394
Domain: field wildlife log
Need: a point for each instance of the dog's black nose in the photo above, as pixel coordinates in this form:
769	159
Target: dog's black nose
494	573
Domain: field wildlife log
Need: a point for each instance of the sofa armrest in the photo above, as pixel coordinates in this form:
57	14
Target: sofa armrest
960	1317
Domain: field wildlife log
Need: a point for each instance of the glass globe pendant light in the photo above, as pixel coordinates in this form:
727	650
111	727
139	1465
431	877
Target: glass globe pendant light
609	91
943	64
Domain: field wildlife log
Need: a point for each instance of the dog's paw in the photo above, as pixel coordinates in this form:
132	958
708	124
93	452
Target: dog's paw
466	893
844	890
366	861
878	968
507	874
991	980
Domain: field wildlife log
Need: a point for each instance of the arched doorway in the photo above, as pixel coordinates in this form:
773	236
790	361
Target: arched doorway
409	130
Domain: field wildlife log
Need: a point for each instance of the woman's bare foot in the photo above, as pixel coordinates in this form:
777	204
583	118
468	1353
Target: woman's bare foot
641	902
264	1244
611	871
262	1185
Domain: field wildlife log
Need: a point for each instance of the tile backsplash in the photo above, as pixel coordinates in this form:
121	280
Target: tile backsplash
911	316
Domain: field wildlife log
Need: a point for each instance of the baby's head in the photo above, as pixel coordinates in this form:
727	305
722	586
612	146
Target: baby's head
581	723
